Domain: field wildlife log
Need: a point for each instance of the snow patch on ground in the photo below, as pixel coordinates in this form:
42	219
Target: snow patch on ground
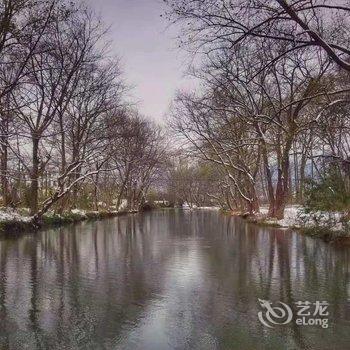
8	214
80	212
208	208
291	216
264	210
297	216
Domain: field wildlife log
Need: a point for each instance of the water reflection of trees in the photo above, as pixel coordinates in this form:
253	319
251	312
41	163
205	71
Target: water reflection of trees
78	286
93	284
250	262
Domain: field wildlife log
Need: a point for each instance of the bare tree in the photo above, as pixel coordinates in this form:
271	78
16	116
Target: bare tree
297	24
137	151
52	77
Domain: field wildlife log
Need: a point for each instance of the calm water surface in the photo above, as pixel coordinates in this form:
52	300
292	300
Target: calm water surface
168	280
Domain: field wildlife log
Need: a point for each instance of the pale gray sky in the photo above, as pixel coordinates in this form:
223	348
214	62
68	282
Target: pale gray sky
149	57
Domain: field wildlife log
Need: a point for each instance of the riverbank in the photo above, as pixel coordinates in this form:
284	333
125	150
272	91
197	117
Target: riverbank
329	226
14	223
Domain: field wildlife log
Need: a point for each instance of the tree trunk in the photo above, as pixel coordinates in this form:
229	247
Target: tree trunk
296	171
4	176
254	206
121	193
281	197
302	176
34	177
282	188
5	191
75	175
96	189
270	189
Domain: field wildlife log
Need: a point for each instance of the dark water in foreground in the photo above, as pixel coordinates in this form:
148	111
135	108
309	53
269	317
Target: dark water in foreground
168	280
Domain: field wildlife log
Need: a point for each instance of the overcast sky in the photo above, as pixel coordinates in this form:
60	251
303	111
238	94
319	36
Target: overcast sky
147	48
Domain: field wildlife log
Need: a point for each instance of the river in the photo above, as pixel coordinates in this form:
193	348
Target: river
171	279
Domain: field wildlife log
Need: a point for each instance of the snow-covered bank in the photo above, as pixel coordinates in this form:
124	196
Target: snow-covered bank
324	224
194	206
14	222
207	208
12	215
291	216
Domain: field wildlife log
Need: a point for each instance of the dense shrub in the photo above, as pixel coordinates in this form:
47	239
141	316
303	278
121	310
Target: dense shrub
330	193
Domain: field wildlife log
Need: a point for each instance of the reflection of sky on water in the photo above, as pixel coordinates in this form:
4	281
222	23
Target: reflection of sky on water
167	280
